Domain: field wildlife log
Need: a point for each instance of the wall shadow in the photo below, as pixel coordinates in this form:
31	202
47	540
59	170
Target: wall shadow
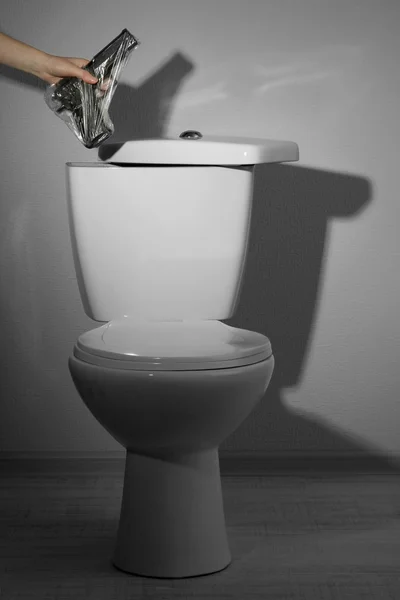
144	112
284	274
22	79
136	112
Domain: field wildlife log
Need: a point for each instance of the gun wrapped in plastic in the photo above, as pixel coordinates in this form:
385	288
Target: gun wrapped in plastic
84	106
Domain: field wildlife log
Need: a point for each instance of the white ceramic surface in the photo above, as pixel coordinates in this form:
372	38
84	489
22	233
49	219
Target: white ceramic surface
208	150
158	242
157	345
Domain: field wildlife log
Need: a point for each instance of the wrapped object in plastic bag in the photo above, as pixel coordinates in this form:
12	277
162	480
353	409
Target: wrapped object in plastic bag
84	106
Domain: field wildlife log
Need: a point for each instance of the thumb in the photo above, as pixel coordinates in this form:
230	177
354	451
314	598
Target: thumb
80	72
85	76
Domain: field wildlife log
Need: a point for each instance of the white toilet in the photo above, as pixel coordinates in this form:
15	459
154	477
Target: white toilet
159	238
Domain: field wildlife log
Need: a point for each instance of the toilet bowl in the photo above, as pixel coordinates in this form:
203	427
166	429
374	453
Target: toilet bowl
159	240
171	416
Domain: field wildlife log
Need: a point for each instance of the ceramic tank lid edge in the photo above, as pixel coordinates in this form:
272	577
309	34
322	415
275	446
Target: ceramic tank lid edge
207	150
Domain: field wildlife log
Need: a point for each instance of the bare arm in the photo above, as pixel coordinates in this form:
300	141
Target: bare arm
45	66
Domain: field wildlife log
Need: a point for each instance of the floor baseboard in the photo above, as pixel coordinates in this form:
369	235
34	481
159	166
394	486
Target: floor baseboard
248	463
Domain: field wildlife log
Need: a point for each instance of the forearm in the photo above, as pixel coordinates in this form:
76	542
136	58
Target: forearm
21	56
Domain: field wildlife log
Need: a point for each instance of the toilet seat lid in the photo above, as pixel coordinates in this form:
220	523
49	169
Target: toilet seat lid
173	345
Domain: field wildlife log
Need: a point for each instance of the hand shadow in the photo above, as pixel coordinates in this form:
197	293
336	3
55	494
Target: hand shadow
143	112
136	112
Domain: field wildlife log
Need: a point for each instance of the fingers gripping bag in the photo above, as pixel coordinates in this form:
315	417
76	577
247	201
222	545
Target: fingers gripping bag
84	106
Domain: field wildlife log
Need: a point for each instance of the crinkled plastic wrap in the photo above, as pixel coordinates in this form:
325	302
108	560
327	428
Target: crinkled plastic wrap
84	106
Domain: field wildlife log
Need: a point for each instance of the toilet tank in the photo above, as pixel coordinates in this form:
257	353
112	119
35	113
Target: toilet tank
160	231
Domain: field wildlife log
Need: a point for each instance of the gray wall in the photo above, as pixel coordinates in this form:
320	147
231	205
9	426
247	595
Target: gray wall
322	279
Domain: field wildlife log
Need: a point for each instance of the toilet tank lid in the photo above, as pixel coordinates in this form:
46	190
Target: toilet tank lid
207	150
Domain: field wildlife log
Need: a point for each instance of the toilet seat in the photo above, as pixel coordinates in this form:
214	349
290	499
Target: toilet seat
171	346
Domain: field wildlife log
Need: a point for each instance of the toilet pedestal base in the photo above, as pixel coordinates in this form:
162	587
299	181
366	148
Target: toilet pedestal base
172	518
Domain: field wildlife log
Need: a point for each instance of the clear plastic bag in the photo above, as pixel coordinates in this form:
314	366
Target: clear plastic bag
84	106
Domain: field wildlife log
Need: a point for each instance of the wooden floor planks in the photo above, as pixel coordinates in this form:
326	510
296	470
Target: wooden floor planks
323	536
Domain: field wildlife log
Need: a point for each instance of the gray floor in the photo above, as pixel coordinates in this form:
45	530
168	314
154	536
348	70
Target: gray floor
327	535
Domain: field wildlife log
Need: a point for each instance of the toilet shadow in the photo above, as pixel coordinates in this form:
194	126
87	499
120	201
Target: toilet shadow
283	280
292	208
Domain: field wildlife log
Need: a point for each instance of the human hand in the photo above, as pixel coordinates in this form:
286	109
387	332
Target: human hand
53	68
48	67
